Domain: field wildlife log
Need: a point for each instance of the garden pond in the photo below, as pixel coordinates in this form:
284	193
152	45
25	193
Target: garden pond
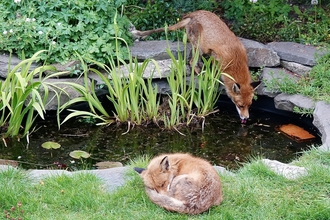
224	141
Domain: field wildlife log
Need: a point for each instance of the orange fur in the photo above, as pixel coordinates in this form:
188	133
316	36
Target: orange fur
182	183
210	35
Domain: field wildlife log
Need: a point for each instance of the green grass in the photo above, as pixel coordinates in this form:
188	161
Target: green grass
254	192
315	85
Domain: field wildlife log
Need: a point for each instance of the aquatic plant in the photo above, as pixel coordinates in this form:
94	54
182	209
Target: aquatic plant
193	96
24	98
134	99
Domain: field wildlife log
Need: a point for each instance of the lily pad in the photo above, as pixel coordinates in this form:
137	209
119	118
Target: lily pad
51	145
77	154
108	164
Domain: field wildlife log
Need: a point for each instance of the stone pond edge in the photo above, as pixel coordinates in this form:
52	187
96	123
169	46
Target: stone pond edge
116	177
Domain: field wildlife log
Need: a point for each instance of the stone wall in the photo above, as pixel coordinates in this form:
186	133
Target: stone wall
277	59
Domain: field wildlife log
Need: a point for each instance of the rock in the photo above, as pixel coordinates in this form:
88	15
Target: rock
288	171
223	171
322	122
68	67
143	50
288	102
294	52
296	68
14	60
151	71
68	94
267	75
37	175
113	178
259	55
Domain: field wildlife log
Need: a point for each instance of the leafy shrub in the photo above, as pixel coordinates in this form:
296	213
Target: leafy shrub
62	27
315	85
272	20
311	26
259	20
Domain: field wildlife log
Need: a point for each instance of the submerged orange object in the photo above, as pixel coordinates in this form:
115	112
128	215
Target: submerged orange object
295	132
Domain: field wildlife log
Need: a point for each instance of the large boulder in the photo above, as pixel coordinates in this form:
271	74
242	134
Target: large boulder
259	55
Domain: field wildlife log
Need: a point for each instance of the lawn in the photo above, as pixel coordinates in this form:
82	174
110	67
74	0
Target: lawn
253	192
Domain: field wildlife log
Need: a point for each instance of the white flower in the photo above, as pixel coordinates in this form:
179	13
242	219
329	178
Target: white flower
40	32
59	24
253	1
314	2
11	31
4	32
17	1
28	19
53	42
33	19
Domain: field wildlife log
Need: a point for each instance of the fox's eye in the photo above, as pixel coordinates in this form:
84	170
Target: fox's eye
241	106
163	184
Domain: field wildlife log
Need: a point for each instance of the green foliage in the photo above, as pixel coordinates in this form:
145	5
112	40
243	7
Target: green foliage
315	85
146	15
277	20
259	21
22	96
310	27
135	99
252	192
64	28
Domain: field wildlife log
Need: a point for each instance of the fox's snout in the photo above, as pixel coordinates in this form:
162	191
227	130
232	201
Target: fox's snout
243	114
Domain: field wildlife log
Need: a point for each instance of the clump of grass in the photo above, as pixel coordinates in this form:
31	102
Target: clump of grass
23	98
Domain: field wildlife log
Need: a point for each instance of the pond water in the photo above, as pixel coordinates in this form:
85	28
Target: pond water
224	142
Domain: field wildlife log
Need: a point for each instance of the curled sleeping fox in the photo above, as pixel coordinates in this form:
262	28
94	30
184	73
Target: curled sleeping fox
210	35
182	183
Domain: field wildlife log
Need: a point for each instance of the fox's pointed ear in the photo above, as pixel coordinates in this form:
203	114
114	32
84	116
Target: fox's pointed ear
165	164
255	85
236	88
138	170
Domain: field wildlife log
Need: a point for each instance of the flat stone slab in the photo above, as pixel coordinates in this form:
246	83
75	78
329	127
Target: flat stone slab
288	102
143	50
296	68
5	59
268	74
288	171
295	52
69	93
112	177
260	55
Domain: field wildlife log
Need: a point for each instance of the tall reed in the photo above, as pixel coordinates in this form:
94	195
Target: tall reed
23	96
